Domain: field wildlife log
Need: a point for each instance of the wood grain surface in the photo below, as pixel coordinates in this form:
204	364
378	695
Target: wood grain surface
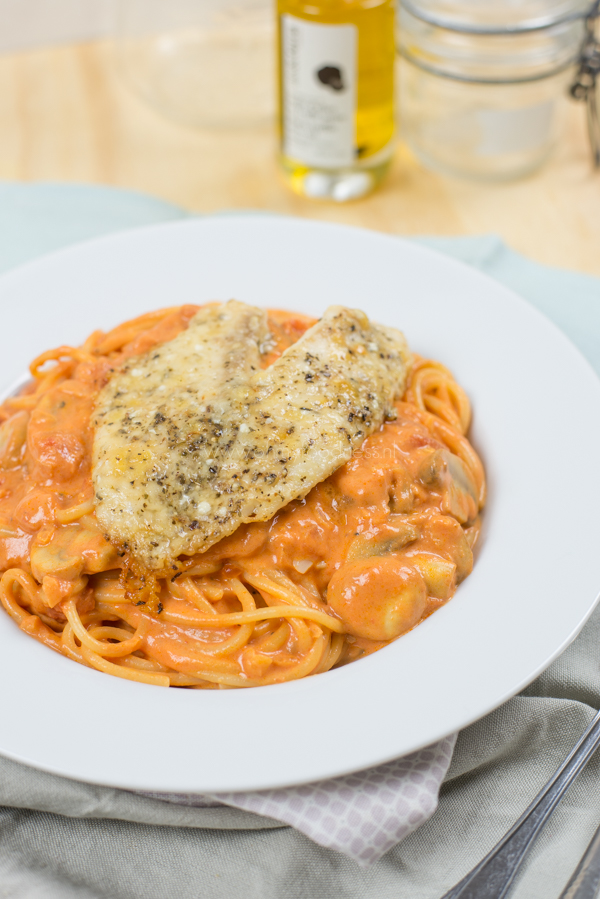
65	115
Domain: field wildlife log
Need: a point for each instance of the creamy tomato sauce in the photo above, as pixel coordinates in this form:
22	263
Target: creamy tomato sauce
392	510
375	548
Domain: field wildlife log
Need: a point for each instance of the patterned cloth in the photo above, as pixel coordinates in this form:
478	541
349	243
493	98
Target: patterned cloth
362	815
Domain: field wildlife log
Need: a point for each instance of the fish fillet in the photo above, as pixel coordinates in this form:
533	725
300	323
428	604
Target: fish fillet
194	439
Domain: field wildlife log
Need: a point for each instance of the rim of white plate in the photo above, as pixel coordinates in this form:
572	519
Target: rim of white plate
533	586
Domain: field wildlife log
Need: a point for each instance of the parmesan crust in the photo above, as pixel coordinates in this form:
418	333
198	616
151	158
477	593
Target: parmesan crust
194	439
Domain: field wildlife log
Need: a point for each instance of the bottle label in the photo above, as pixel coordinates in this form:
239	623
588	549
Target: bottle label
319	64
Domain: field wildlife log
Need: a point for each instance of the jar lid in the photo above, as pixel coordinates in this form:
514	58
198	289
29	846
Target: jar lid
490	56
497	16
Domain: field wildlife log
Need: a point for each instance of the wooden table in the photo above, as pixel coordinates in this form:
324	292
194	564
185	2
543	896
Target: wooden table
66	116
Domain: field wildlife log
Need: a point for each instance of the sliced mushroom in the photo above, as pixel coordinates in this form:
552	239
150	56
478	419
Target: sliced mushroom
444	472
394	536
439	574
13	435
69	551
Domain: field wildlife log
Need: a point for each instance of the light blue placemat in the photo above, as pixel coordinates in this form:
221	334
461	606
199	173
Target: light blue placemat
39	218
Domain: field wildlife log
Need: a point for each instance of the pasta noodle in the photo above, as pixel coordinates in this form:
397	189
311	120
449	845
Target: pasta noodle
364	557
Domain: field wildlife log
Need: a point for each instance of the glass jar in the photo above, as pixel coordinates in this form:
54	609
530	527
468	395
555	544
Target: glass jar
205	63
483	82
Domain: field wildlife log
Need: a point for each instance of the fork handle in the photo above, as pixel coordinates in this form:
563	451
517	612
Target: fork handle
585	881
491	878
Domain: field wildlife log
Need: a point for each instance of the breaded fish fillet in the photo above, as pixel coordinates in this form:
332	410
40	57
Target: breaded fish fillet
193	439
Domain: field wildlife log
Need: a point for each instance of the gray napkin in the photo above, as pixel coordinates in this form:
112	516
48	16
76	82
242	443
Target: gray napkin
61	839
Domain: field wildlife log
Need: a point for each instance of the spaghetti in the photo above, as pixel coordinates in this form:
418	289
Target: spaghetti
364	557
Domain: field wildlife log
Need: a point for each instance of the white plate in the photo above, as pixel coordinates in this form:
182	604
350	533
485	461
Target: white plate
536	422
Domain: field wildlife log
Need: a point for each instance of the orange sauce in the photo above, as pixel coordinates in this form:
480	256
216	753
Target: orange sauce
376	547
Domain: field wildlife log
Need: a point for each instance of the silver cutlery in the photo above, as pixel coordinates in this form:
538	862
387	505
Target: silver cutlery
585	882
492	877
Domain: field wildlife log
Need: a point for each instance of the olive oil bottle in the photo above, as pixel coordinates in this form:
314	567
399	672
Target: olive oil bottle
336	95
